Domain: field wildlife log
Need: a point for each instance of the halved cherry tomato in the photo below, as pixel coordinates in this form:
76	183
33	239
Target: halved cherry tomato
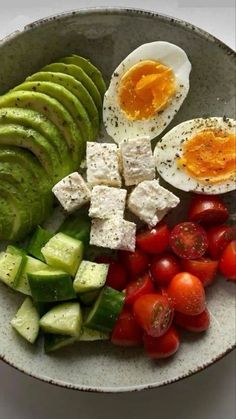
153	313
136	262
208	209
137	288
163	346
218	238
127	332
227	263
198	323
117	276
188	240
155	240
164	268
205	269
187	294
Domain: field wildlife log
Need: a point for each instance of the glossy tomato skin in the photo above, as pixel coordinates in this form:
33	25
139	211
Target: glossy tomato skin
227	262
136	263
187	294
199	323
218	238
138	287
153	313
127	332
204	268
154	241
117	275
208	210
188	240
163	346
163	268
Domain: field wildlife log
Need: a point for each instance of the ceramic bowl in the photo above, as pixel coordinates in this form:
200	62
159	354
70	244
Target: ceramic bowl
106	36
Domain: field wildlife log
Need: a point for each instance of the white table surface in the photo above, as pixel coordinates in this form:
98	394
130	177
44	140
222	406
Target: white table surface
206	395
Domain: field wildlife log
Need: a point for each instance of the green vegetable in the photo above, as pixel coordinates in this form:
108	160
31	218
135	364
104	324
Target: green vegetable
90	276
78	225
87	298
63	319
10	268
51	285
26	321
38	240
30	265
54	342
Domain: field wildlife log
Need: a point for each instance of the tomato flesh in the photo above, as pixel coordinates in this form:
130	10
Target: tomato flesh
117	275
137	288
136	262
127	332
163	268
188	240
199	323
163	346
227	262
208	209
218	238
205	269
155	240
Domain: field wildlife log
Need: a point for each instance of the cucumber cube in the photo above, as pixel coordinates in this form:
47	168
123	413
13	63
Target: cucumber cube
63	319
90	276
31	265
26	321
51	285
38	240
63	252
10	268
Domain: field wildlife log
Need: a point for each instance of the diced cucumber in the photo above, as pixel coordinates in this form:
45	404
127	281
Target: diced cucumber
91	335
15	250
105	310
43	308
53	342
26	321
31	265
63	319
10	268
63	252
38	240
78	225
90	276
51	285
87	298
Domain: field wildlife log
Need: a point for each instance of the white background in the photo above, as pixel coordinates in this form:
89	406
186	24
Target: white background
207	395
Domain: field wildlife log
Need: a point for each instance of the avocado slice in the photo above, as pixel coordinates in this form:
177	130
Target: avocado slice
93	72
7	217
75	87
67	99
32	119
55	112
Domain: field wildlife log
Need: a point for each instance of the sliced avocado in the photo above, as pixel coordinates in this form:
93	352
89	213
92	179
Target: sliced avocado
7	217
55	112
89	69
75	87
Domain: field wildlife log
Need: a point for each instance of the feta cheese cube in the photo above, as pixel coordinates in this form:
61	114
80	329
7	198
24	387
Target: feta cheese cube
151	202
103	164
137	160
107	202
114	233
72	192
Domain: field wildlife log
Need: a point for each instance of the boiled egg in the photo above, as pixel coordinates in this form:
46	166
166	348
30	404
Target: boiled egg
199	155
146	91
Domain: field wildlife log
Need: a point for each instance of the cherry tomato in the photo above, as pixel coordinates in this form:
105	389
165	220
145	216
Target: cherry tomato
117	276
218	238
205	269
136	262
208	209
198	323
227	263
126	331
163	346
188	240
142	285
153	313
155	240
164	268
187	294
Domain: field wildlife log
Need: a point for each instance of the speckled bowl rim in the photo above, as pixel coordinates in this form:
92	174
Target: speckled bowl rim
201	33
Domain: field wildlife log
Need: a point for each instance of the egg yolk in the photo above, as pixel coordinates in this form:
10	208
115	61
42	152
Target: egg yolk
210	156
146	89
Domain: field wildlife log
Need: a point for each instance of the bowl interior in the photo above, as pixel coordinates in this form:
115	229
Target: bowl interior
107	37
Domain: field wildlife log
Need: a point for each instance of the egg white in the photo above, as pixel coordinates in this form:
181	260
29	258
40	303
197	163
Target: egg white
170	148
116	122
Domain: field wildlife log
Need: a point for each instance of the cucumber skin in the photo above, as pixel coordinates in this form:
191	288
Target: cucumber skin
37	241
53	342
78	226
57	289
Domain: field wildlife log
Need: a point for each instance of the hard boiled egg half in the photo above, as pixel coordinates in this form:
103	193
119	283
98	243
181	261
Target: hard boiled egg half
199	155
146	91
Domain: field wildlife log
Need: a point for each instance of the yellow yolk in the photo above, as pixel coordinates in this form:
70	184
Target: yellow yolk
146	89
210	155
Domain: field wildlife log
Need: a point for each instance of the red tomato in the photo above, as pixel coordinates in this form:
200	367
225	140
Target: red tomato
208	209
188	240
205	269
136	262
140	286
164	268
227	263
155	240
162	347
198	323
218	238
187	294
153	313
117	276
127	332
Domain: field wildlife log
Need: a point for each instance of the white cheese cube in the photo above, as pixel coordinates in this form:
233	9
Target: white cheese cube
103	164
114	233
107	202
137	160
151	202
72	192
